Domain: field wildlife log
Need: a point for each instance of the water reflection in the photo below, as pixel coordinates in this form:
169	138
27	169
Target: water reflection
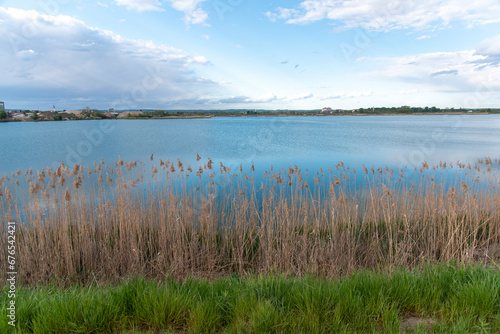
396	141
55	191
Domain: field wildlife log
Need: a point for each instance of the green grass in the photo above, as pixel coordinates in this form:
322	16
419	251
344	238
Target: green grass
443	298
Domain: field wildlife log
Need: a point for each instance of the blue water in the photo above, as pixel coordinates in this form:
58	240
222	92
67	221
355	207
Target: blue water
308	142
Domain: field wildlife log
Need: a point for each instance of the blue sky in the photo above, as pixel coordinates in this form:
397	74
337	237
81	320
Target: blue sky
223	54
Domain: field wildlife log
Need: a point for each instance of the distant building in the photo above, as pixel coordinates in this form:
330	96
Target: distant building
327	110
2	106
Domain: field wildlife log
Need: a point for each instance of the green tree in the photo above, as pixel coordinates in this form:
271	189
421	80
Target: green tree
58	118
97	114
3	114
34	116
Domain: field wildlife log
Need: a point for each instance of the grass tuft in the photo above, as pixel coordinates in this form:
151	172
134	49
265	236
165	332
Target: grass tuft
466	299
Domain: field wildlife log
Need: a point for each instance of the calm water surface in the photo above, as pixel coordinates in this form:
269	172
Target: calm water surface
306	141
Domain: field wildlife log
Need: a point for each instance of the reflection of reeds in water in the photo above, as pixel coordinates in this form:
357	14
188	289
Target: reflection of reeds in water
111	221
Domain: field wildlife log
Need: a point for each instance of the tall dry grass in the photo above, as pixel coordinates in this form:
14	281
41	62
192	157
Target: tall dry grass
80	225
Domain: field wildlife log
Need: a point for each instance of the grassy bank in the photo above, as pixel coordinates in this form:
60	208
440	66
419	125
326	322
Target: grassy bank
445	298
101	224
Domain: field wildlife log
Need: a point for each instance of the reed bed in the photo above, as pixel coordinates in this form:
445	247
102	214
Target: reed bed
159	219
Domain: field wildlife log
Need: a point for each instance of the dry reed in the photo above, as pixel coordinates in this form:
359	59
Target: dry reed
116	222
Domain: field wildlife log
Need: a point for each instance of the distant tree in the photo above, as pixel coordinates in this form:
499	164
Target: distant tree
158	113
97	114
58	118
3	114
404	110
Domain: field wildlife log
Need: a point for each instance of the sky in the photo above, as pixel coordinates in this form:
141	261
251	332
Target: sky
242	54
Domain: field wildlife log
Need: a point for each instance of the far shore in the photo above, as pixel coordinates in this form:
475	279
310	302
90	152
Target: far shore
145	115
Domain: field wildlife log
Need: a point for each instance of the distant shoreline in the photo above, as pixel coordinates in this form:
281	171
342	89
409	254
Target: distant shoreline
249	115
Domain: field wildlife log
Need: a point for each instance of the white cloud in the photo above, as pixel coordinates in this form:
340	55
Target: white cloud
191	8
408	92
490	48
140	5
303	96
59	58
265	98
282	14
425	37
389	15
466	71
26	54
193	14
197	60
234	100
349	95
102	4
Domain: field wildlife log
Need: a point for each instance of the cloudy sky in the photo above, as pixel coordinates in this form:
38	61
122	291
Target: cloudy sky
223	54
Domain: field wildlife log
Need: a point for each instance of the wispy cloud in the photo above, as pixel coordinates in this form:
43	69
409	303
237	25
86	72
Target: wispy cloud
194	14
234	100
140	5
281	14
349	95
390	15
303	96
490	49
408	92
425	37
191	8
445	72
266	98
462	71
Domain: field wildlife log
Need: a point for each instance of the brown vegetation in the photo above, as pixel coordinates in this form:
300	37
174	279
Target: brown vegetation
112	221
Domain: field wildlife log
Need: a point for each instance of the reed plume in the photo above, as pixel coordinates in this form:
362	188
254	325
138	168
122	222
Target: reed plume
219	223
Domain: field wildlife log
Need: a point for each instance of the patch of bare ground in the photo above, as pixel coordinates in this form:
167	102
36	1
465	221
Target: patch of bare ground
411	323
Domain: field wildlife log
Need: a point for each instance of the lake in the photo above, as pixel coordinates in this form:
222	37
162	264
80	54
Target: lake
305	141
